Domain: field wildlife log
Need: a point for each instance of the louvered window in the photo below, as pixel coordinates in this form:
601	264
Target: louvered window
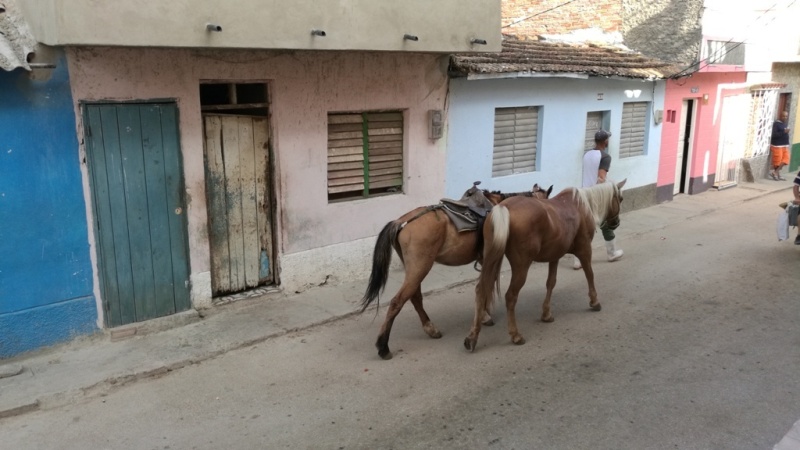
365	154
516	136
595	121
634	127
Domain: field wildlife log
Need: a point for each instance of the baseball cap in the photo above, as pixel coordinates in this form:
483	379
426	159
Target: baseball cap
601	136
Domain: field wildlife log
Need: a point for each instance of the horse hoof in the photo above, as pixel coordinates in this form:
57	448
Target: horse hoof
385	355
489	322
548	319
432	332
596	307
518	340
469	344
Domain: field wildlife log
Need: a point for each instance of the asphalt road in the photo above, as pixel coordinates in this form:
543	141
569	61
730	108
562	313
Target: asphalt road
697	347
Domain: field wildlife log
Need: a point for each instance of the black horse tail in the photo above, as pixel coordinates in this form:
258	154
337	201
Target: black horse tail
381	259
495	236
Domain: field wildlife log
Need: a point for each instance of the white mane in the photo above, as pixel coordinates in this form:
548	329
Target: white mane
597	200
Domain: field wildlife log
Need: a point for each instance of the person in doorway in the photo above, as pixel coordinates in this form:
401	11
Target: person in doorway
596	164
779	145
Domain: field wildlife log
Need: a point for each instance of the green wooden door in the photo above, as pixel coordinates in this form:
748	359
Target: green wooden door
135	171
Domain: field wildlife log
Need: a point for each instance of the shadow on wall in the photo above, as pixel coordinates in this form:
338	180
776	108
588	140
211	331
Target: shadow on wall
672	33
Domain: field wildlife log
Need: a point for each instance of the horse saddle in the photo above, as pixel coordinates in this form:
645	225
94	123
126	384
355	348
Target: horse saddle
468	213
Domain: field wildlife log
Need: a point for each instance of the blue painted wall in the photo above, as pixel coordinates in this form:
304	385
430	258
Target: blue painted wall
565	103
46	292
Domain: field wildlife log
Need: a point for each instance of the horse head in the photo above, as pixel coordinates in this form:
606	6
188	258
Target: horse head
538	192
612	216
476	197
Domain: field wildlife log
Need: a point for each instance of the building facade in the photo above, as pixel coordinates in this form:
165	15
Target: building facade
528	115
216	153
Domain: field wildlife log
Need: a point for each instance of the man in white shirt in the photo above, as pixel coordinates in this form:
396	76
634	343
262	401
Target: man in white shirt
596	164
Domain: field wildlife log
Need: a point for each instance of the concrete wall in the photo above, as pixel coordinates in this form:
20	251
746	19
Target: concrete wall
707	115
316	240
441	26
565	103
45	272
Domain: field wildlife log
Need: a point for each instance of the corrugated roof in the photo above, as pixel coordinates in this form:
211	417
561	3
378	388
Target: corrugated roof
537	56
17	44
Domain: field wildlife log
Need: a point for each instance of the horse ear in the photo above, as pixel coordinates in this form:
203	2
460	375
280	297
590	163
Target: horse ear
549	190
621	183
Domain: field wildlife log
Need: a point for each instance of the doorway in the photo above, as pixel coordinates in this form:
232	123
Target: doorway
238	186
684	150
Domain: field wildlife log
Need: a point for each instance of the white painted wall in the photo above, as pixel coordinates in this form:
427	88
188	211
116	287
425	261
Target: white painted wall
565	102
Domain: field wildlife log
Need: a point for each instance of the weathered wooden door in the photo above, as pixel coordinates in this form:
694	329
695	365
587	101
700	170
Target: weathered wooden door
135	172
239	213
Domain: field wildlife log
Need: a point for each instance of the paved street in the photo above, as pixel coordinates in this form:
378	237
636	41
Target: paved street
697	347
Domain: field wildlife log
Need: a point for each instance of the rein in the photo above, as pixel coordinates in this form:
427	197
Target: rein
504	196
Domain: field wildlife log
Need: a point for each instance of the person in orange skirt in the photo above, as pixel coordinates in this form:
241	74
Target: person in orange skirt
779	145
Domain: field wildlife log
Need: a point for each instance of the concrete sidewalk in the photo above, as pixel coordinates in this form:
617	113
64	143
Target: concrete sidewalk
94	366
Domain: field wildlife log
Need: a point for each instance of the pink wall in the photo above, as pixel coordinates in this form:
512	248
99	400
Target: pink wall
303	88
707	121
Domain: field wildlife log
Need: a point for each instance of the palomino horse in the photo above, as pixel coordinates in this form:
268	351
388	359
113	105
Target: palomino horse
527	230
421	237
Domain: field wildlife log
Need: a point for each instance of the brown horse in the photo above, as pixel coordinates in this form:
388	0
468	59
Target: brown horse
527	230
421	237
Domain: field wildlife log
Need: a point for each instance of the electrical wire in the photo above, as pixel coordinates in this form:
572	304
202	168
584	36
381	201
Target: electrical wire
688	71
537	14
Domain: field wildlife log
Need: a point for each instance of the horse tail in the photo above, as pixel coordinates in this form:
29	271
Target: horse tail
493	251
381	259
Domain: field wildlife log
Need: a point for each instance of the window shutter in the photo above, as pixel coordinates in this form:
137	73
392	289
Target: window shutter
594	122
345	153
632	133
385	150
515	136
365	154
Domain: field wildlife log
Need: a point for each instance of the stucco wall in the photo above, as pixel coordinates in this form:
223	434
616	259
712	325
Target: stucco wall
565	103
707	115
789	74
45	272
303	88
441	26
666	30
